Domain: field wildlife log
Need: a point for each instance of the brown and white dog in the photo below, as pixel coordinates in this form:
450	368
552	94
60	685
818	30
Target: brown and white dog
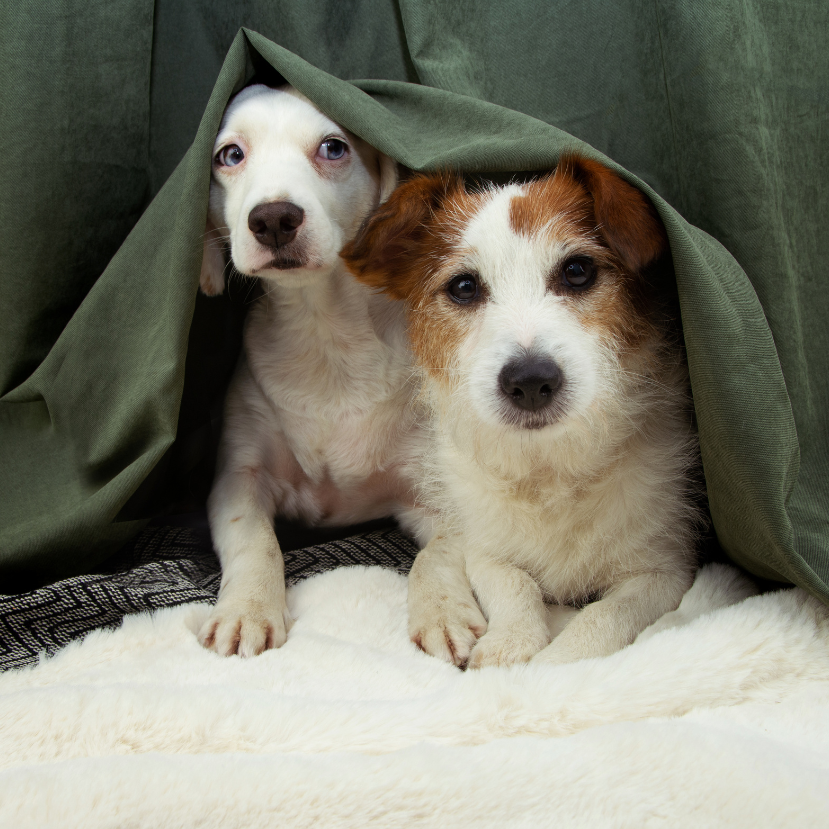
561	428
319	425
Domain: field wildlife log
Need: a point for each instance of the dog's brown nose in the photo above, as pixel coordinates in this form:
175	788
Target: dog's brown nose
530	383
275	223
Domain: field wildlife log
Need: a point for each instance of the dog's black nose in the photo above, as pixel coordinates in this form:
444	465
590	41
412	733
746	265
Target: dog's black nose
530	383
275	223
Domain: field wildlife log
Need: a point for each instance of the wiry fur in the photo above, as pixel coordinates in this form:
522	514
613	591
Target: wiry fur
586	502
318	422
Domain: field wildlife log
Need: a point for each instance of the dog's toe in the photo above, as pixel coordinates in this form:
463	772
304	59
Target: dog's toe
260	636
450	636
245	634
449	645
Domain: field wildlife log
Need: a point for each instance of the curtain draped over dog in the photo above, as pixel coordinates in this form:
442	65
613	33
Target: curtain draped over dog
112	370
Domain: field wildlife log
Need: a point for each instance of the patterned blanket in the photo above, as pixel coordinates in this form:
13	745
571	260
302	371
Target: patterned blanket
163	567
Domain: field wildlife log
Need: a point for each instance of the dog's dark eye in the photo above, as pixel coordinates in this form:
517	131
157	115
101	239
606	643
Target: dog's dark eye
333	149
230	156
463	288
578	273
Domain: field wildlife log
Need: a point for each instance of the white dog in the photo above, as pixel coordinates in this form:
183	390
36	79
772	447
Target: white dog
318	422
562	437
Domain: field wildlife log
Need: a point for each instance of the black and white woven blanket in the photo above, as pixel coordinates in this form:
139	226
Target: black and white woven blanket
163	567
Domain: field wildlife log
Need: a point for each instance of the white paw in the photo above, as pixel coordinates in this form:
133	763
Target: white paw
446	629
245	628
508	647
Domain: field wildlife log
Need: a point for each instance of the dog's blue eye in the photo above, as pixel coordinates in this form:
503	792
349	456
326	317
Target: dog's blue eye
230	156
463	288
333	149
578	273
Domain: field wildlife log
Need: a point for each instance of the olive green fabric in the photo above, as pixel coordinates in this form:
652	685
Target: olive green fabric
111	374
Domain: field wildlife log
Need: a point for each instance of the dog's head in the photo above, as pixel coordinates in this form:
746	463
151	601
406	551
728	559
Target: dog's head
527	301
289	188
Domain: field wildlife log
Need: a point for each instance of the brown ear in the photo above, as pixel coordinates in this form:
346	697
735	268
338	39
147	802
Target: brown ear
386	245
624	215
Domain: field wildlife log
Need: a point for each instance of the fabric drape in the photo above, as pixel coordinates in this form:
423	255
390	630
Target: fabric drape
112	370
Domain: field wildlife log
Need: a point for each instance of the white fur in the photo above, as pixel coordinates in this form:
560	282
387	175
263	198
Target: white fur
523	314
318	422
722	720
593	504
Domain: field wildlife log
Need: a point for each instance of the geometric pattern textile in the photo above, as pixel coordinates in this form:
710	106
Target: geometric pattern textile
162	567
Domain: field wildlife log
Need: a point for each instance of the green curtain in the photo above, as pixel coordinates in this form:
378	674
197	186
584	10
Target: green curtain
112	370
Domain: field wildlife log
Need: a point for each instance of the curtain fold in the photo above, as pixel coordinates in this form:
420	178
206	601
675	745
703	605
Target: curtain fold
113	370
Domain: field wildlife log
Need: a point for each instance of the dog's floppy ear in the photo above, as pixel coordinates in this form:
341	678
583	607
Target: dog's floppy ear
389	176
624	215
212	278
389	242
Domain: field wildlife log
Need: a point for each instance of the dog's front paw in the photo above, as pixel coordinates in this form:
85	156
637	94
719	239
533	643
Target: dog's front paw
447	630
245	628
507	648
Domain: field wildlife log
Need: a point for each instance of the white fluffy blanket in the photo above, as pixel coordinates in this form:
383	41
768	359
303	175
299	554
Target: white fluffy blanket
718	715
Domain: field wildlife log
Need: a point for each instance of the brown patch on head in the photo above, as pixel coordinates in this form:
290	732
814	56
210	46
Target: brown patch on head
601	218
624	216
406	249
554	205
586	197
387	250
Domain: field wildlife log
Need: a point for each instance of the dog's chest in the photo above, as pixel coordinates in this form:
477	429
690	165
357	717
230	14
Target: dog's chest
569	538
339	393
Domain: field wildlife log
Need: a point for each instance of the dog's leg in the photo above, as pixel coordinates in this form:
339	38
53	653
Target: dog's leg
251	614
514	606
444	618
615	620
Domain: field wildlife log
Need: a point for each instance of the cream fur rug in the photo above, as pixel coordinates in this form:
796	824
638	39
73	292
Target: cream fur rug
718	715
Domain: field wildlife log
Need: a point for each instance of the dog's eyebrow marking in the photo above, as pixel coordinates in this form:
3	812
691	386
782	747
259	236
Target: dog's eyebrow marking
552	204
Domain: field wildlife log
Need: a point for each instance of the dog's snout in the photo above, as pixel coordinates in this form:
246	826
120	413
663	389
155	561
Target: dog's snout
275	223
530	383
